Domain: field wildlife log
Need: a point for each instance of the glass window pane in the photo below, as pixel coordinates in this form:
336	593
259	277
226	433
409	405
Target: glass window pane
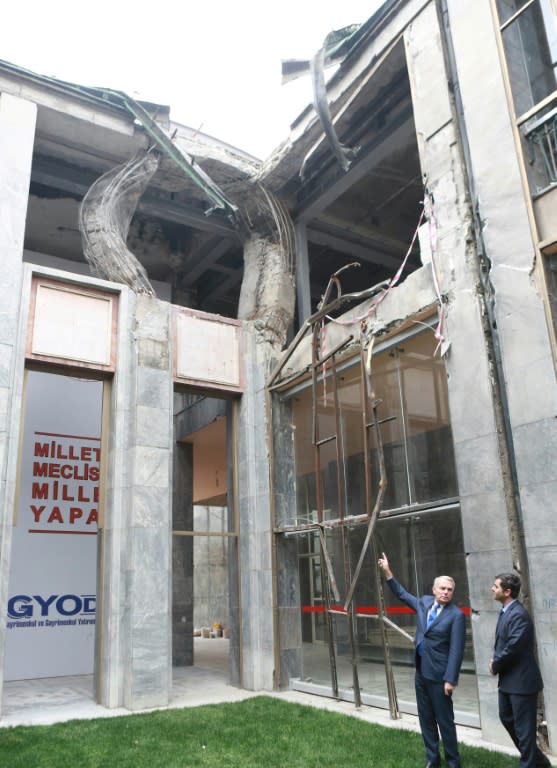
348	442
350	400
410	385
420	546
428	431
386	384
539	142
315	654
306	500
508	8
529	59
327	428
550	264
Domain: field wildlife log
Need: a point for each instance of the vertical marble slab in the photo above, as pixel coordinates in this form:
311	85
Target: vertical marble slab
136	627
519	313
17	135
478	462
255	553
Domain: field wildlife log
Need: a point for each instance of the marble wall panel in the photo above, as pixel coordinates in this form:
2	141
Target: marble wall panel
482	567
150	506
151	467
478	465
152	387
484	522
535	449
152	427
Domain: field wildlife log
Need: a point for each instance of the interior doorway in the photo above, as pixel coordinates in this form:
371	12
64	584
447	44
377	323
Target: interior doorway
204	537
58	492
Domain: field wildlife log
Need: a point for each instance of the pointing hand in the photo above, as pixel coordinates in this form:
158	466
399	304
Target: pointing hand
383	563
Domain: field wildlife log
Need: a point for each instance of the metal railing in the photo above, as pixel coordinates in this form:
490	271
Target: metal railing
541	135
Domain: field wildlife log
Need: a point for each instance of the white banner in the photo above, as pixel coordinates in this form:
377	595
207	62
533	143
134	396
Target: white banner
52	593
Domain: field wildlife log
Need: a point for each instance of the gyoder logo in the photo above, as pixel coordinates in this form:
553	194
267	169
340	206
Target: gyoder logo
54	606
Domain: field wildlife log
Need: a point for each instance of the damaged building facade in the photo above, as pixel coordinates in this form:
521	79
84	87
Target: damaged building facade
201	427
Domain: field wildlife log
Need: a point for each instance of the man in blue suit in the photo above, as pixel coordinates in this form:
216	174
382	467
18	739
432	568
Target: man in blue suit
439	643
519	675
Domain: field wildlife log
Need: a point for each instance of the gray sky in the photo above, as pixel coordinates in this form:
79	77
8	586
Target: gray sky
217	64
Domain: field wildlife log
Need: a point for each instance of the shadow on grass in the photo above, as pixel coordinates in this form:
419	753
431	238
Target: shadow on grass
261	731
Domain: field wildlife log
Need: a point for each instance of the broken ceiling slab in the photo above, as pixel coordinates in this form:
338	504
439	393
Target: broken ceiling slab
186	164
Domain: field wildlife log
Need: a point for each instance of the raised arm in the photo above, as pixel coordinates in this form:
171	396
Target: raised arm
396	588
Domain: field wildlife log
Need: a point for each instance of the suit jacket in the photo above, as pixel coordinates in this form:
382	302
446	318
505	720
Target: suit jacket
443	643
513	656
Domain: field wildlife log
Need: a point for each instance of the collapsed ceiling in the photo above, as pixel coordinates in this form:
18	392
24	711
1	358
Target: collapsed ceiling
367	214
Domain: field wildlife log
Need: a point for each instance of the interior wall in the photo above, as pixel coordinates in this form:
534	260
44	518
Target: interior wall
210	567
162	290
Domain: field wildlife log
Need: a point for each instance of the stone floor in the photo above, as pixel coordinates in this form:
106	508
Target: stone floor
51	700
57	699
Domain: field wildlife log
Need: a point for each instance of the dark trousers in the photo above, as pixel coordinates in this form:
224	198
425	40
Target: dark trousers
436	715
517	712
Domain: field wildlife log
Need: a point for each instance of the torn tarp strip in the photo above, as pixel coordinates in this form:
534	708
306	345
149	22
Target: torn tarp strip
335	47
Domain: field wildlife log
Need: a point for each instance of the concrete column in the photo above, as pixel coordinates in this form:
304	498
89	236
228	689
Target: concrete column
135	664
267	308
480	479
529	369
17	132
267	294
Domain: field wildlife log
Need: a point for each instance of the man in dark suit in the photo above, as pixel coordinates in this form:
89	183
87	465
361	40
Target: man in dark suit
439	644
519	675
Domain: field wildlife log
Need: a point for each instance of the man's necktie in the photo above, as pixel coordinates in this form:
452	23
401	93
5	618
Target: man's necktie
432	615
430	619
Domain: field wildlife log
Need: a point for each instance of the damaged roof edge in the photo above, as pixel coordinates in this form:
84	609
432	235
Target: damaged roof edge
369	28
127	106
90	95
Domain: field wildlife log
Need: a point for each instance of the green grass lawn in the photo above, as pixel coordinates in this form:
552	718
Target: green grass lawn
261	731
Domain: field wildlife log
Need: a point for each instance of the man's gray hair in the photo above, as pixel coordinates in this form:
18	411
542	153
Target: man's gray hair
440	578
